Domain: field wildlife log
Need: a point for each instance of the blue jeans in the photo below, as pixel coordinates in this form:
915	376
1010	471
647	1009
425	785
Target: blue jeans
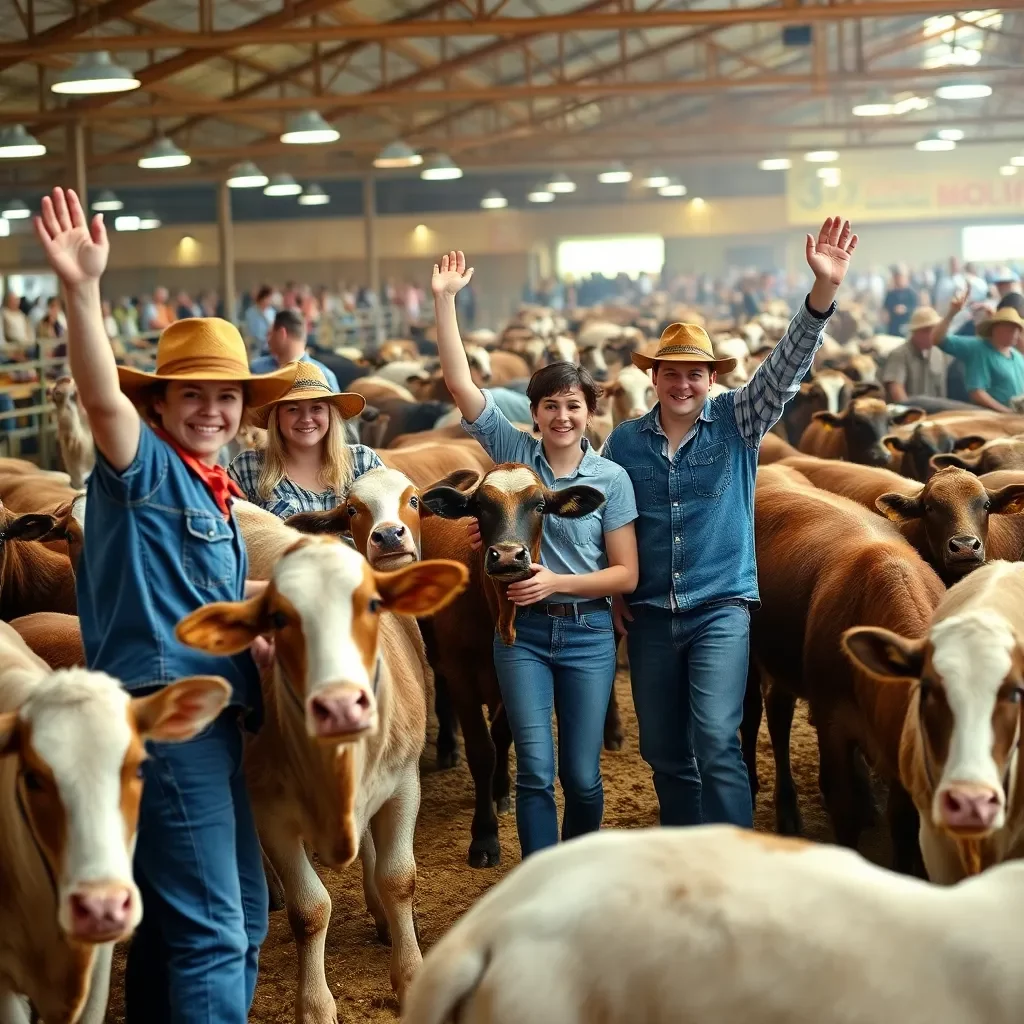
567	664
689	675
199	869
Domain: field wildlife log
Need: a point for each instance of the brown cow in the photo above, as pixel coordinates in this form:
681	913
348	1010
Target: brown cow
53	636
773	448
946	432
32	577
856	433
424	464
71	743
962	685
826	564
977	455
336	763
827	391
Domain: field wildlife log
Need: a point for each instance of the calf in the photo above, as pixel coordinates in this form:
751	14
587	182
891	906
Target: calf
826	564
632	394
74	438
338	753
717	924
857	433
977	455
946	432
32	577
963	685
826	391
71	750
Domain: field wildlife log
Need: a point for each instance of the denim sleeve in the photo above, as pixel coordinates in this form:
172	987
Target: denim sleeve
620	502
502	441
142	477
330	377
960	346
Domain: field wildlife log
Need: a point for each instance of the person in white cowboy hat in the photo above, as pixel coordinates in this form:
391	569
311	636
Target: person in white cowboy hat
161	541
306	466
917	367
693	460
993	363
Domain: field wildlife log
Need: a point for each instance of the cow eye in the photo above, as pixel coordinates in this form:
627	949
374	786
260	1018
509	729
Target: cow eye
351	510
33	783
988	505
1015	695
414	502
279	620
375	605
540	507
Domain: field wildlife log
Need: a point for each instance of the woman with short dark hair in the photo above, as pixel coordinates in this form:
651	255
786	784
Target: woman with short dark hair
563	657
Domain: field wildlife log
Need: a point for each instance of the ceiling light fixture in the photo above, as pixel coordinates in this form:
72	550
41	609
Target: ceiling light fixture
776	163
148	221
397	154
672	188
493	200
126	223
246	175
697	203
1017	161
933	143
106	202
93	74
440	167
162	154
540	194
963	91
951	134
616	174
821	156
561	183
5	228
911	104
16	210
1008	170
309	129
657	179
314	195
830	176
16	143
282	185
877	105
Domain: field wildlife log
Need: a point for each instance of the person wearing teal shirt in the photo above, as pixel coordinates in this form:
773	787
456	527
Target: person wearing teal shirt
994	366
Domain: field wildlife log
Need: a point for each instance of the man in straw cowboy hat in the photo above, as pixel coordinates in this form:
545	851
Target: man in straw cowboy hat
917	368
993	364
160	542
692	460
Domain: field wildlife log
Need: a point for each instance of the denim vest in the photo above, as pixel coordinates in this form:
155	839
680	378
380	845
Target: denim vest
157	548
695	531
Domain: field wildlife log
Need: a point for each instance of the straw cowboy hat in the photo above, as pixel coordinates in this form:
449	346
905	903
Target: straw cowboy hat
683	343
310	383
922	317
1006	315
205	348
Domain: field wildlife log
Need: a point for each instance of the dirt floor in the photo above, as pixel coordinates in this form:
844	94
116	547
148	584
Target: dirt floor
357	964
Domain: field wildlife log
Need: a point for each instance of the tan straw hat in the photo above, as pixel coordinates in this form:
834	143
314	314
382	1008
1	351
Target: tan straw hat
1006	315
310	383
923	316
683	343
205	348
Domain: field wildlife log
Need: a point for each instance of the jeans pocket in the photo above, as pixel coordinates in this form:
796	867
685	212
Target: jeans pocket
597	622
208	555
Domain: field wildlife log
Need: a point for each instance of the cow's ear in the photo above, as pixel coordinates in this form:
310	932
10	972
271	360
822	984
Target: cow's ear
909	415
335	522
894	443
884	655
449	502
225	627
948	460
971	443
32	526
464	480
422	588
573	502
868	389
900	508
180	711
1008	500
830	419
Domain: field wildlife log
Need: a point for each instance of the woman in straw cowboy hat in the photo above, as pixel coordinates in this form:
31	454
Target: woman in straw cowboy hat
993	363
306	465
160	542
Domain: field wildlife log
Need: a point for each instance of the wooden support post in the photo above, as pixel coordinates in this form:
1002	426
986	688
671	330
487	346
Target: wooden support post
372	261
75	155
226	241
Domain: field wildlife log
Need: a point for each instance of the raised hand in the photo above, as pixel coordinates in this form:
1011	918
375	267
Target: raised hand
958	301
75	249
450	275
829	256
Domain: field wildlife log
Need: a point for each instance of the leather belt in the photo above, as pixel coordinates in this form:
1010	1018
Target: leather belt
569	609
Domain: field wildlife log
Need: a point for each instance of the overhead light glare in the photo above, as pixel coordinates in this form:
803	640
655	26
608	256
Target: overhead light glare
963	91
397	154
673	189
561	183
126	223
541	195
246	175
934	144
16	210
494	200
148	221
282	185
93	74
950	134
1017	161
911	104
776	163
314	195
821	156
309	129
164	154
107	202
617	174
657	179
1008	170
440	167
17	144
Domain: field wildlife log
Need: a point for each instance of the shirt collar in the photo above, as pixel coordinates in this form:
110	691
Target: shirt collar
652	420
221	487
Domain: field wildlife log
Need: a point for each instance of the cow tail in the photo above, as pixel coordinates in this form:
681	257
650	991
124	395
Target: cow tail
443	983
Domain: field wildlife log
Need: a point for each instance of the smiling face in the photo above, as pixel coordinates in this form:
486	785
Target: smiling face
682	388
562	419
303	424
201	416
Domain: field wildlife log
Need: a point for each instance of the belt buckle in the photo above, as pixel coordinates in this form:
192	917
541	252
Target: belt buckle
557	610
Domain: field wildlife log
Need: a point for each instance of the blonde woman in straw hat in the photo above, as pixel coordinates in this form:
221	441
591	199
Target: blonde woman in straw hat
993	364
306	465
692	460
160	542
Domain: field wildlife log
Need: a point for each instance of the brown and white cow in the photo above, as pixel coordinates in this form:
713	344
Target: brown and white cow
856	434
74	436
963	683
631	395
338	753
71	746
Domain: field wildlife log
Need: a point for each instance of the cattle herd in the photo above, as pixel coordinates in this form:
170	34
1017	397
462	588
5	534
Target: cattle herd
888	547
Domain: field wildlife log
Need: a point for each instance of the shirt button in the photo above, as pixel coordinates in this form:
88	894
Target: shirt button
211	533
677	540
675	504
676	575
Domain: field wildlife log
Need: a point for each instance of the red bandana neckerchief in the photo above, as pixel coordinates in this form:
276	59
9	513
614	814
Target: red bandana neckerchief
216	478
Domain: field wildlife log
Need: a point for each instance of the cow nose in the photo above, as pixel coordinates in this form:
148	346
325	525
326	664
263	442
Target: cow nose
387	536
509	555
340	712
964	544
100	912
600	375
970	808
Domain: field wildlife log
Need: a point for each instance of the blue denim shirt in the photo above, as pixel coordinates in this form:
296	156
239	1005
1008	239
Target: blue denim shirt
570	546
695	531
157	548
268	364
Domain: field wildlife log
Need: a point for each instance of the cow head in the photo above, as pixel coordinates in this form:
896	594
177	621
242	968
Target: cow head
953	508
977	455
969	687
632	395
323	606
479	364
592	359
562	349
63	393
69	526
927	439
77	741
510	504
373	426
865	422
